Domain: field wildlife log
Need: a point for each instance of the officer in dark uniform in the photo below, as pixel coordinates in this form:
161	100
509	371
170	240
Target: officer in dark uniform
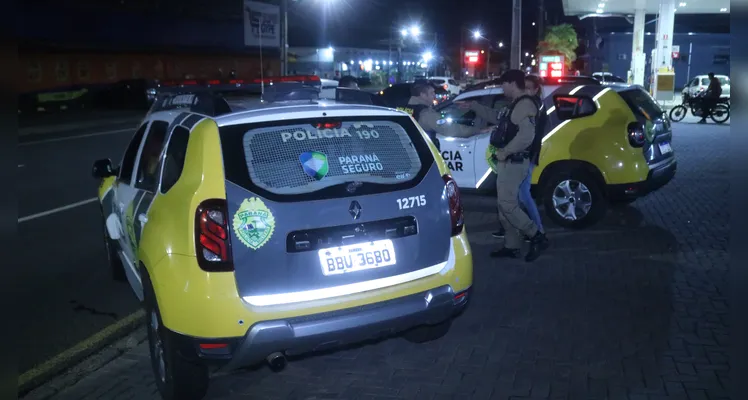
514	144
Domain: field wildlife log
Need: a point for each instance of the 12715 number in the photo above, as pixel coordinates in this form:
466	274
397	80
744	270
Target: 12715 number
412	201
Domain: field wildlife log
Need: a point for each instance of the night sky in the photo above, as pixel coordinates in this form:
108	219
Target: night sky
365	22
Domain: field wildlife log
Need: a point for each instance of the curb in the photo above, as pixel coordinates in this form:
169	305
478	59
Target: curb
40	375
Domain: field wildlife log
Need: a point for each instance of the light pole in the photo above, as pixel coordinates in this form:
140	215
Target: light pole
413	31
284	33
514	59
477	36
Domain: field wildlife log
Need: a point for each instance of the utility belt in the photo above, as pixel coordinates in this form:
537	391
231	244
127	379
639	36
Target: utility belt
517	158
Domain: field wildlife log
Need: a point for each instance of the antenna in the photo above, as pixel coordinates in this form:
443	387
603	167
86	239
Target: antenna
262	65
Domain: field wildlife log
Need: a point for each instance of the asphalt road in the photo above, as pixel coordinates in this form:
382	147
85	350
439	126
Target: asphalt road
62	287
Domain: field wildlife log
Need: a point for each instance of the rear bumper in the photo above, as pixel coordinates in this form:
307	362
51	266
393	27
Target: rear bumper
659	175
326	331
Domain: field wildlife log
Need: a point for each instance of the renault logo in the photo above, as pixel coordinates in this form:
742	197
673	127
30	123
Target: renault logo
355	209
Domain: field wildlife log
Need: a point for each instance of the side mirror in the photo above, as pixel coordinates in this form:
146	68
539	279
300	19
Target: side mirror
103	169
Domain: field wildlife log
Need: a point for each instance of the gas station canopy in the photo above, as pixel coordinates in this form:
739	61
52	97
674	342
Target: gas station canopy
618	7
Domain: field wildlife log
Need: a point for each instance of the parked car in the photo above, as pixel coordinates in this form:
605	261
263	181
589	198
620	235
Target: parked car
699	84
251	230
449	84
603	145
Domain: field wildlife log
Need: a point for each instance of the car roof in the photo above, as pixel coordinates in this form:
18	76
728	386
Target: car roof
480	92
264	112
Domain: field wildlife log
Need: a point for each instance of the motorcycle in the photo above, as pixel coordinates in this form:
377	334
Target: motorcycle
720	113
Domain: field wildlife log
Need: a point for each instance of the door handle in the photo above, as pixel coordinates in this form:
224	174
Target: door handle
142	218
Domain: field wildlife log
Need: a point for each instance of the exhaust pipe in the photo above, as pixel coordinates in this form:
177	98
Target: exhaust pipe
277	361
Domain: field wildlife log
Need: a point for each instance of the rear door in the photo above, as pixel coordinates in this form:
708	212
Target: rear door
146	180
124	191
300	191
657	124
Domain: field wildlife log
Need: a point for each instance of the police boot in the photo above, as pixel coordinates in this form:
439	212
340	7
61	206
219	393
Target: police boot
499	234
538	244
505	252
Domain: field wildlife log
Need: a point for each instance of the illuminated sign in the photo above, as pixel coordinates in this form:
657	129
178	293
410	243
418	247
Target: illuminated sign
471	56
551	66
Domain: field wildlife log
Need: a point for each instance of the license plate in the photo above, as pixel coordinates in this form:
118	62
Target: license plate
665	148
357	257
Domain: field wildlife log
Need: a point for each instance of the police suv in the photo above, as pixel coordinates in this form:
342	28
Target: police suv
258	225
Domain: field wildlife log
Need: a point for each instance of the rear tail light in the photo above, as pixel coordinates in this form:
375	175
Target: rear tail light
455	204
445	86
212	242
636	135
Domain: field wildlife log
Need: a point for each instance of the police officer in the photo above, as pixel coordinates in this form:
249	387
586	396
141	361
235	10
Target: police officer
421	107
513	149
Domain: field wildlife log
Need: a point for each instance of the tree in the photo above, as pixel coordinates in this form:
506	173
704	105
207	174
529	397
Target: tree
560	39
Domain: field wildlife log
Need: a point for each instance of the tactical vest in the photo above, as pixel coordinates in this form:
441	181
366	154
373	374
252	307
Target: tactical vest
415	111
506	131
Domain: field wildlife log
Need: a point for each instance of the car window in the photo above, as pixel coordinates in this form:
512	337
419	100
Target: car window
150	158
128	161
454	115
571	107
694	82
724	80
641	103
453	82
616	79
437	81
705	81
176	152
318	158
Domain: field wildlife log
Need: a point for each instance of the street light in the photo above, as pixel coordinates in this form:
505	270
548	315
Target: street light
501	44
427	56
476	35
527	54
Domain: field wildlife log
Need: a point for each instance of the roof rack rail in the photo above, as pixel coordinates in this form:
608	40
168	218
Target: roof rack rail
211	99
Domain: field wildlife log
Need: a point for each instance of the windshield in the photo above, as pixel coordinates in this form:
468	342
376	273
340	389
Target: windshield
305	156
641	103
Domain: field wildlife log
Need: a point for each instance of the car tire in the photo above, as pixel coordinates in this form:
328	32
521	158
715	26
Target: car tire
428	333
677	113
116	266
176	377
585	188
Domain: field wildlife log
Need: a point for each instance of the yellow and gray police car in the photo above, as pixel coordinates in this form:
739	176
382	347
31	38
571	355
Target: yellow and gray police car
602	145
254	230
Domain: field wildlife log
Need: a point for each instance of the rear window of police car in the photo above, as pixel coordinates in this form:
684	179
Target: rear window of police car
641	103
319	158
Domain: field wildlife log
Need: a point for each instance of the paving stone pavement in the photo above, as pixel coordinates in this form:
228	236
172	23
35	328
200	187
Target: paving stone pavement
634	308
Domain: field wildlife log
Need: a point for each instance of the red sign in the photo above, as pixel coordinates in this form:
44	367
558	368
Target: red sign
471	56
676	54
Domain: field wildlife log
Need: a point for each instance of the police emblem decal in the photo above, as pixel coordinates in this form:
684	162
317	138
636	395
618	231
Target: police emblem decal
253	223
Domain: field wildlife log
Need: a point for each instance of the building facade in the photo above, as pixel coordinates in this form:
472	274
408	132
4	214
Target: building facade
93	43
377	64
697	54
